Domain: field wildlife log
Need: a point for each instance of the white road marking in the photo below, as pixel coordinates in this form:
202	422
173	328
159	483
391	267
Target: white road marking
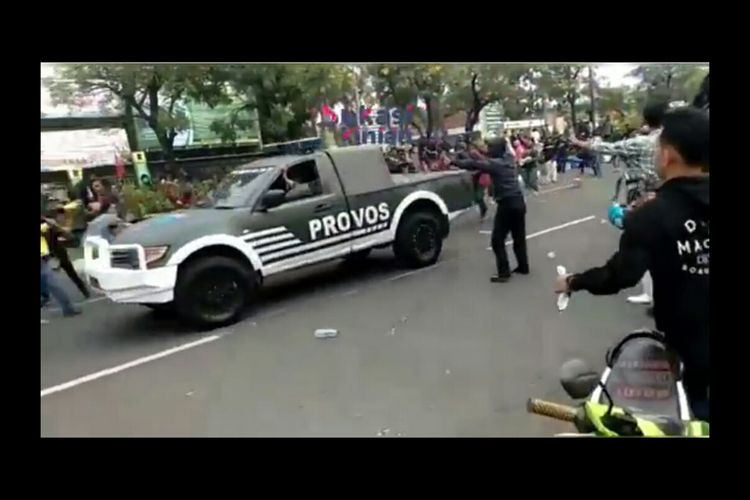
126	366
404	275
44	322
350	292
548	230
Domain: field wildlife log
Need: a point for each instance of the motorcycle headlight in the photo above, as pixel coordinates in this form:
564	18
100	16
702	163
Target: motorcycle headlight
154	254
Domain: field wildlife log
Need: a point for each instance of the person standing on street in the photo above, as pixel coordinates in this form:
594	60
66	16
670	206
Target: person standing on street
511	208
49	285
56	236
669	236
639	154
528	162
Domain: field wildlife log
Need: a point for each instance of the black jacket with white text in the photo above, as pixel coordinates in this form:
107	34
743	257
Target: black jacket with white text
669	237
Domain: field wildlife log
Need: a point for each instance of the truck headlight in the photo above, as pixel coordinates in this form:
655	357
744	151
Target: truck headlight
154	254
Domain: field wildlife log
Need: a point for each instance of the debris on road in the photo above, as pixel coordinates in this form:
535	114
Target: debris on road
326	333
393	331
404	318
447	372
189	394
551	255
603	221
383	432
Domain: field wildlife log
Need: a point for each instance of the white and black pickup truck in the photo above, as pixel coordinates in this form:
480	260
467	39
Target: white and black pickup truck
275	215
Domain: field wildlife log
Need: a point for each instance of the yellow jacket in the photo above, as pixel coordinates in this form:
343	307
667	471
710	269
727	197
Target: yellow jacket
45	245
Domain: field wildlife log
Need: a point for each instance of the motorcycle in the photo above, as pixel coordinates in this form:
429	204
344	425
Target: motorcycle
639	393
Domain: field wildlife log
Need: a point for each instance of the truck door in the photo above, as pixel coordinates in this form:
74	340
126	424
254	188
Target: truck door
308	213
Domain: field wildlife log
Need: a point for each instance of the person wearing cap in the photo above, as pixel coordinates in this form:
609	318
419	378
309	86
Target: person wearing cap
510	216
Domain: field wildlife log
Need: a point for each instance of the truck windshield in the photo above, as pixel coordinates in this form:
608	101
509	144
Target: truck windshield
239	188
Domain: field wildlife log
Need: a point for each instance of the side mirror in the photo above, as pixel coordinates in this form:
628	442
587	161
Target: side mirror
578	379
273	198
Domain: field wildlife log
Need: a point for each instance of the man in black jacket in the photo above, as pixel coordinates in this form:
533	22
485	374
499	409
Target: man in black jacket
511	208
669	236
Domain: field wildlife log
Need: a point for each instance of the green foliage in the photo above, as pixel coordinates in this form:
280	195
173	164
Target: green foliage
403	84
472	87
674	82
561	82
151	90
286	96
141	201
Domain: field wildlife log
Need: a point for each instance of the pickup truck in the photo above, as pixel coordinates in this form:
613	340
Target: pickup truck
271	216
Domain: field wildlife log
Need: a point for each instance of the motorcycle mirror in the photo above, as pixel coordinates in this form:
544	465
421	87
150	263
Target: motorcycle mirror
578	379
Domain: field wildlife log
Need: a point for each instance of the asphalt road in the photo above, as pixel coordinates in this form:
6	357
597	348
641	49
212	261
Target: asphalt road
437	352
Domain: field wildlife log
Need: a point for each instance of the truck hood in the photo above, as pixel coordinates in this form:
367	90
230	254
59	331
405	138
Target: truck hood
176	228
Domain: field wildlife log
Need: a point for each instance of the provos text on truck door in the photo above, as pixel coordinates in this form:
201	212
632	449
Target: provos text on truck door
369	217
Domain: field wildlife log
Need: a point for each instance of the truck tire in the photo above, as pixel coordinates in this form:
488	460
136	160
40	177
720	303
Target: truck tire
213	290
419	239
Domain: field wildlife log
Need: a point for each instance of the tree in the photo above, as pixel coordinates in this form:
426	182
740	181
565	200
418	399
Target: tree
286	96
403	85
674	82
473	87
151	91
562	82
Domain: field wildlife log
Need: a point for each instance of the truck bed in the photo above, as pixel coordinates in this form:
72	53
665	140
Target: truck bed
400	179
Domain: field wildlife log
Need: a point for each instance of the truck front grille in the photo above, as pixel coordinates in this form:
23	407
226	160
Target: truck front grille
125	259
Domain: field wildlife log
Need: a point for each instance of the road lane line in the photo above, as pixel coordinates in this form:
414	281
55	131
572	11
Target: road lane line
548	230
127	366
404	275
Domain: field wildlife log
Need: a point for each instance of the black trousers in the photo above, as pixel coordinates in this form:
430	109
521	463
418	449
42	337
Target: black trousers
510	218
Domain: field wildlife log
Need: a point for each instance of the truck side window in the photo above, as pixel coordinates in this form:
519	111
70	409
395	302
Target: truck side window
304	181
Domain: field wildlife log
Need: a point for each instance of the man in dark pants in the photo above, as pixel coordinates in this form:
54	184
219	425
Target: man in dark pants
511	208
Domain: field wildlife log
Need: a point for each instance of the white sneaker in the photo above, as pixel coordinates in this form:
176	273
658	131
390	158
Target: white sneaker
640	299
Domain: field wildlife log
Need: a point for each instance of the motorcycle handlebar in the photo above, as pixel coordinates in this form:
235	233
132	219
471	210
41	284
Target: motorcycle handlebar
552	410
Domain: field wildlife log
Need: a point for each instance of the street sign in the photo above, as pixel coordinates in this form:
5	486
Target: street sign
141	168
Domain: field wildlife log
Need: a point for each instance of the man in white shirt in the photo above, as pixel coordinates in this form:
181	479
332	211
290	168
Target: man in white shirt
639	154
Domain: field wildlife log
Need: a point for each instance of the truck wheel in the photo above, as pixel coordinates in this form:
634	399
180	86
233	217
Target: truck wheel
418	239
213	290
